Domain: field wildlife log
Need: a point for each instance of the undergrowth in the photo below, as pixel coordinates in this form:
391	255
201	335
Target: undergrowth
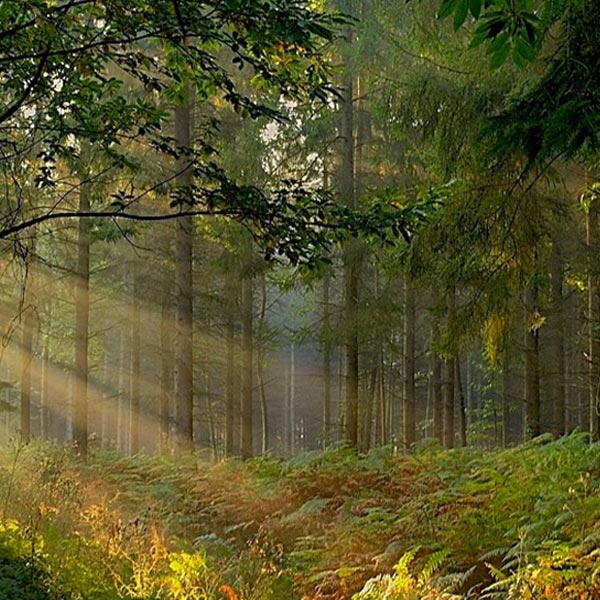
522	523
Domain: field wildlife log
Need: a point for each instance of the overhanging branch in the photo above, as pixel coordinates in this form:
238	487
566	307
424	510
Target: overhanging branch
12	229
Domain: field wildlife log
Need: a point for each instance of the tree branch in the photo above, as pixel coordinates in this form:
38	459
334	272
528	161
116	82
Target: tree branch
11	110
12	229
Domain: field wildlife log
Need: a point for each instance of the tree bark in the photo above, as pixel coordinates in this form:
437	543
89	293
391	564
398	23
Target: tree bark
450	386
184	343
557	341
247	413
507	390
593	318
26	367
122	437
462	409
135	378
82	315
532	426
260	361
292	401
351	258
326	332
231	436
166	372
409	412
449	403
27	325
45	406
437	397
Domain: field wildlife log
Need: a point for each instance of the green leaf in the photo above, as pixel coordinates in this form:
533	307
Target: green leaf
498	44
499	56
446	8
519	59
460	14
524	48
478	39
475	8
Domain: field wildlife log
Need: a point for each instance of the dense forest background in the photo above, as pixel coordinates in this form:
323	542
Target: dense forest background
299	300
353	223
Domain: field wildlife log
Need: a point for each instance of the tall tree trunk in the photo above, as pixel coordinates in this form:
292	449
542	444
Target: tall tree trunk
450	386
593	317
135	379
247	413
557	341
351	256
231	435
437	397
352	277
462	409
122	437
382	407
409	412
184	344
260	362
27	323
532	426
370	398
26	367
326	407
212	429
292	400
45	407
166	372
105	403
507	391
449	391
82	315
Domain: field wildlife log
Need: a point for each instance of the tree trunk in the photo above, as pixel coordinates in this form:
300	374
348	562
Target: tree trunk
26	367
437	398
450	381
292	401
184	347
557	341
27	324
82	315
462	409
134	392
351	259
593	317
231	436
326	407
212	430
507	390
45	406
409	412
166	372
122	437
260	361
382	408
532	427
370	398
247	427
449	403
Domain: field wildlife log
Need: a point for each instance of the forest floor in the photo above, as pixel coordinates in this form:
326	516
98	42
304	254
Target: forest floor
521	523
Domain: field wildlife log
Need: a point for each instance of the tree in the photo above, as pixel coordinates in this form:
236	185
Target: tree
184	353
82	308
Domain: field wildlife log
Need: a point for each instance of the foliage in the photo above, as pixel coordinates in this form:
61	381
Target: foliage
403	585
517	523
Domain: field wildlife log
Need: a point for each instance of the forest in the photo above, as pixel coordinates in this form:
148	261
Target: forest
299	300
